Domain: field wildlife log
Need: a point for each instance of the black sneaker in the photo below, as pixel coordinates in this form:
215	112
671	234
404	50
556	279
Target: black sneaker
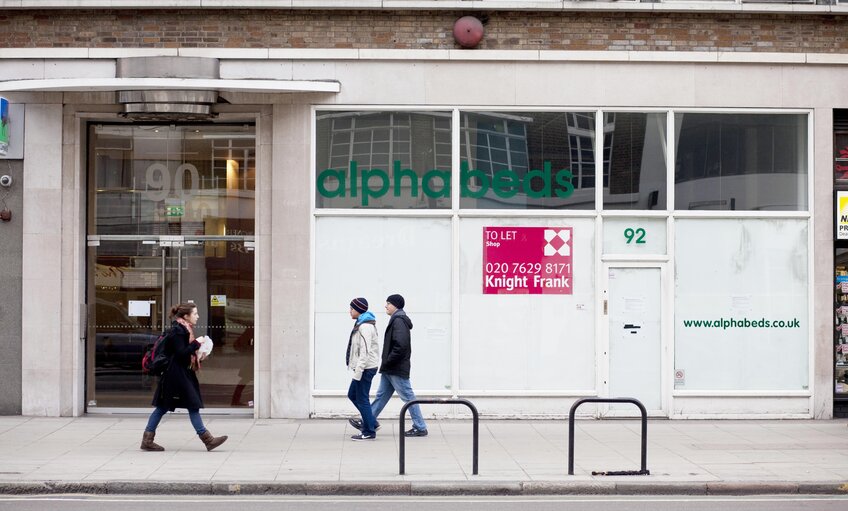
416	432
356	423
363	437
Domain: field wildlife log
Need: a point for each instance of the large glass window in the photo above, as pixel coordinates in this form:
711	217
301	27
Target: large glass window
741	298
383	160
634	160
178	180
745	162
527	160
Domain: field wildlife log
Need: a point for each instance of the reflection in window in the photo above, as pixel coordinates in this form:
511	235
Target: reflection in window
840	149
581	139
634	160
189	180
523	160
741	162
383	159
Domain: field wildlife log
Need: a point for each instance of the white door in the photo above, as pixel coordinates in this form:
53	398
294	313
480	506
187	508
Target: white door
635	338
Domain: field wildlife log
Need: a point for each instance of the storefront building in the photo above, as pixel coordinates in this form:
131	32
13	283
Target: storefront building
598	200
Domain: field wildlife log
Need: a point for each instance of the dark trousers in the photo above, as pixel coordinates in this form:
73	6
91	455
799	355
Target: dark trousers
358	395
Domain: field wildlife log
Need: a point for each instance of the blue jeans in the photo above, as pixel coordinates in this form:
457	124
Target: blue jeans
358	394
158	413
389	384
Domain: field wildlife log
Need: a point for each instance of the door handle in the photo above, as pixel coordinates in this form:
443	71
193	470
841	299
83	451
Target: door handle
605	307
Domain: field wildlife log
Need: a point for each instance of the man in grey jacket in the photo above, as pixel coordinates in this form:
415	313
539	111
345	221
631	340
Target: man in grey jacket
395	367
361	358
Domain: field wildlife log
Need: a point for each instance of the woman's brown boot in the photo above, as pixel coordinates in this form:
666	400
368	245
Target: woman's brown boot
212	441
147	443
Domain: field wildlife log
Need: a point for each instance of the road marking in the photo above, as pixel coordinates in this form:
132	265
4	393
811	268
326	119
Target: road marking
447	500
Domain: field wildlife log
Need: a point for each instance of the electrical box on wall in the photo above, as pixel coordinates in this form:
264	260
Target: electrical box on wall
15	131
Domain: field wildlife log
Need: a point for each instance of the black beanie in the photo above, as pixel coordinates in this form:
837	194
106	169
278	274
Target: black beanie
360	305
396	300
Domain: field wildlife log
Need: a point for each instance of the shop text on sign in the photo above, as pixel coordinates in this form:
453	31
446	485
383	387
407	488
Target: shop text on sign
527	260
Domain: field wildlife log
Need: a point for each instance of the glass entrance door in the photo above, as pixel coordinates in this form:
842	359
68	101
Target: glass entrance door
171	219
135	284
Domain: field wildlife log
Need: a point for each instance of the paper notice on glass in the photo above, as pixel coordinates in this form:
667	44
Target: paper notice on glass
740	303
139	308
845	287
844	329
634	304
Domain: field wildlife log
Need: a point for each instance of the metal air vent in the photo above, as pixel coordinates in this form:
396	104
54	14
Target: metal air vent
158	105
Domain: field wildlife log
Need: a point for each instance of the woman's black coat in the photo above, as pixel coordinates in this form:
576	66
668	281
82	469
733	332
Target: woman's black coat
178	386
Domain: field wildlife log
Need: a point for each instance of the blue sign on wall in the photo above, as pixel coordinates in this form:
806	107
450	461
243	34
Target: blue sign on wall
4	126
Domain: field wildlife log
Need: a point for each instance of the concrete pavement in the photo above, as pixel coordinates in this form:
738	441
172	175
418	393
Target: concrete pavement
100	454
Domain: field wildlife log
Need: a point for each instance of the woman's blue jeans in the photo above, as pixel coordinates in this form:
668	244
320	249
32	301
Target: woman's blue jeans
158	413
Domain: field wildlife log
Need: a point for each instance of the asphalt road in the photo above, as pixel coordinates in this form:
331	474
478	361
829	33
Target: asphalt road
250	503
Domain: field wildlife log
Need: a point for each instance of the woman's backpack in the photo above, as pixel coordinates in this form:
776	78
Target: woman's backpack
154	361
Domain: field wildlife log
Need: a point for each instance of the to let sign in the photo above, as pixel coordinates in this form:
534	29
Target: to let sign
527	260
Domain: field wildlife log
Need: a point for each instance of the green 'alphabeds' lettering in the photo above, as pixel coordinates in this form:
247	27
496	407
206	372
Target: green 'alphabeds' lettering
504	183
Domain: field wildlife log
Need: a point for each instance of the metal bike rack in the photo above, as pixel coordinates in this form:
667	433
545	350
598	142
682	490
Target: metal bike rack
644	412
475	420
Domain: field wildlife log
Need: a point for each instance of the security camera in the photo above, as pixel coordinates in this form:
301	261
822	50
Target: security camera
6	181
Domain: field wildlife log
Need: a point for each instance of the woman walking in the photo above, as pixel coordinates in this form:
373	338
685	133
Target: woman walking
178	386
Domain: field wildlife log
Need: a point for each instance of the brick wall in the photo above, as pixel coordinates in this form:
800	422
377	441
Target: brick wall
422	29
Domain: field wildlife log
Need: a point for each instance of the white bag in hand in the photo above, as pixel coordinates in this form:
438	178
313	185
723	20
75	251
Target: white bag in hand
205	349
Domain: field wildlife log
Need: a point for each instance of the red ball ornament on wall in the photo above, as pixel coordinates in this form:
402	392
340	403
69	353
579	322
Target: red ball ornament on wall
468	31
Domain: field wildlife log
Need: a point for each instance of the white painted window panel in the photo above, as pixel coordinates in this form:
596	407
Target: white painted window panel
373	258
526	342
739	269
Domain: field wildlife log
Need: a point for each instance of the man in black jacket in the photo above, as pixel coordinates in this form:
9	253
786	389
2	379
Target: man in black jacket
394	370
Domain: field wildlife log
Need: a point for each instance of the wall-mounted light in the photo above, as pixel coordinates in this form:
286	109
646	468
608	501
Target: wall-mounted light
5	182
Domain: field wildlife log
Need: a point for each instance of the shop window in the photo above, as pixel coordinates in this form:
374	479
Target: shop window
635	160
536	342
383	160
741	162
741	304
527	160
374	257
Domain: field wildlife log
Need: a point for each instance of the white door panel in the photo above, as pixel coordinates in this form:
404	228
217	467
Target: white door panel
635	337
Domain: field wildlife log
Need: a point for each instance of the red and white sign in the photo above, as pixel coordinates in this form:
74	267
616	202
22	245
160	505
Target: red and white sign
527	260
